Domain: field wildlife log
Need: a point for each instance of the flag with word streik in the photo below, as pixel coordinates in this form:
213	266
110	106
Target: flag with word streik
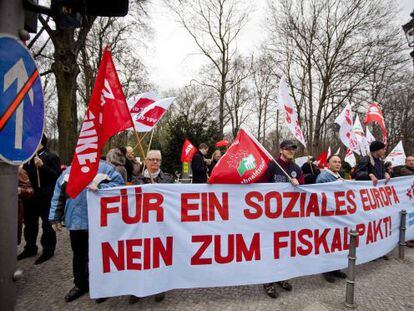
107	114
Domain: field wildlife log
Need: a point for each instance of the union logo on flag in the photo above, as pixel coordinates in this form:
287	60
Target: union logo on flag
247	164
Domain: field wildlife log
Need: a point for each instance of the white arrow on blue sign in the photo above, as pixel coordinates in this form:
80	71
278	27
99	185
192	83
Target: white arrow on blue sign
21	102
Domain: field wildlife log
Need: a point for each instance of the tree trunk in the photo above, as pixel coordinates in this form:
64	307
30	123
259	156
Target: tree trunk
66	70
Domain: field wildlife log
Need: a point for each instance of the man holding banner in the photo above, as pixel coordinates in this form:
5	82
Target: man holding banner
330	174
285	171
371	166
74	214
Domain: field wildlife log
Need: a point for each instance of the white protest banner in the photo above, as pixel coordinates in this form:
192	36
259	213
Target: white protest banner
285	104
346	133
153	238
397	155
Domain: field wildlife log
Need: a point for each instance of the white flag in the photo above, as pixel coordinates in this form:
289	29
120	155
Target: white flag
369	136
301	160
397	155
285	103
346	133
151	114
360	136
350	158
338	151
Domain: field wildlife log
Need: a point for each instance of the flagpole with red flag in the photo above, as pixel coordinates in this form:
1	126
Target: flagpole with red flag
107	114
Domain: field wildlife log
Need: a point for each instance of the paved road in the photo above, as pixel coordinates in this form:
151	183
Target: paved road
381	285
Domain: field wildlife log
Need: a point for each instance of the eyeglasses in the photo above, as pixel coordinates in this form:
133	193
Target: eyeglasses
154	160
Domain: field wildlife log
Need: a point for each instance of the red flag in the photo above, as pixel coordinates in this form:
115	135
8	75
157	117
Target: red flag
244	162
322	159
188	151
222	143
107	115
374	114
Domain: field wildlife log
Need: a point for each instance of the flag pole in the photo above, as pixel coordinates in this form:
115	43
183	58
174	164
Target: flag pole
141	140
149	146
140	146
37	172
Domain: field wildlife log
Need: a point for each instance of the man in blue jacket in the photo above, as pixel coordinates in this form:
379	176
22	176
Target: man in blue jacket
330	174
74	212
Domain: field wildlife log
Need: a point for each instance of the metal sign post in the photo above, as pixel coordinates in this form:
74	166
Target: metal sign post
21	127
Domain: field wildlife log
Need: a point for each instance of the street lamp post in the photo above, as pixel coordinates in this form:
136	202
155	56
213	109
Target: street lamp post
409	33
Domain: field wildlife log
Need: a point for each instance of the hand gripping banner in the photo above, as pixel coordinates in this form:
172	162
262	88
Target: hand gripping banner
157	237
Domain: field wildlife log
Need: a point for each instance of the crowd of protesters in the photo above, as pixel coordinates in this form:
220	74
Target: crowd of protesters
42	194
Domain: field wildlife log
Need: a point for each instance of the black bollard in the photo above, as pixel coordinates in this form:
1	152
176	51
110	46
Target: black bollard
350	282
402	244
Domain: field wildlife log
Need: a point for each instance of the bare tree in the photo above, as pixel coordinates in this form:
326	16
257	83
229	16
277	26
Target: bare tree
330	48
64	64
238	97
264	78
214	25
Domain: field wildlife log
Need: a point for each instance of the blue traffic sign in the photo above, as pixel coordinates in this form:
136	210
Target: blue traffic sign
21	102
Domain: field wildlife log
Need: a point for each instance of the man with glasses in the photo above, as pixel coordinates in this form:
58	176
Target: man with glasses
152	174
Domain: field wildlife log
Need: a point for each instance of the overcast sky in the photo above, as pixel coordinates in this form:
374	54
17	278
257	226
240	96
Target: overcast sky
173	59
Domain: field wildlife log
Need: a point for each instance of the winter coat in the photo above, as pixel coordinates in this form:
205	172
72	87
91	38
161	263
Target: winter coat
118	159
325	176
276	175
75	211
26	192
199	168
162	178
310	173
48	174
133	169
369	165
403	171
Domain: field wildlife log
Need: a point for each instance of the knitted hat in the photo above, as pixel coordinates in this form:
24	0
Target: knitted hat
376	145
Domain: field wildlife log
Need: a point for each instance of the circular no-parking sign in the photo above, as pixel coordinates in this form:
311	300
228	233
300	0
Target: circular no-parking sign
21	102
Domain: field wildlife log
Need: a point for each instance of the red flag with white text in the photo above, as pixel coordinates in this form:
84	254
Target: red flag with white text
107	115
188	151
243	163
374	114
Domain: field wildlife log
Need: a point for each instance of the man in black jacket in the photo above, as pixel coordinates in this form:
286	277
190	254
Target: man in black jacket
43	170
371	167
199	165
